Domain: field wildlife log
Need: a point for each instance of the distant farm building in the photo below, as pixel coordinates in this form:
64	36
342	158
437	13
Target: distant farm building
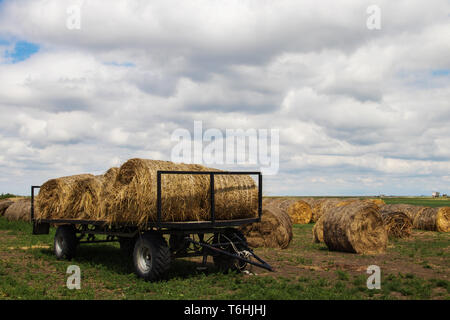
435	194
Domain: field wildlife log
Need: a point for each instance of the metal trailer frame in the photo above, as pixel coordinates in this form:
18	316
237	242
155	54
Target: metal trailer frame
186	230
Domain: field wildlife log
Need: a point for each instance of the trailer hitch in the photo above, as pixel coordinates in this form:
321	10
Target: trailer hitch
261	264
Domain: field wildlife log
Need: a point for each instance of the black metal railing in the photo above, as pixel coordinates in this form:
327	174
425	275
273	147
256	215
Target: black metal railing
159	223
211	186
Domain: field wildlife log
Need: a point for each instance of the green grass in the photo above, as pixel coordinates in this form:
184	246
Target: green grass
427	202
7	195
304	271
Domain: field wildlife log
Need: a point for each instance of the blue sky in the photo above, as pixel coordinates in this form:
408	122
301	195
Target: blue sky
440	73
22	50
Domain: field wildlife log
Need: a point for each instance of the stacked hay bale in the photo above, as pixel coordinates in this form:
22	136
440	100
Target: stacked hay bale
398	224
298	210
274	230
128	195
106	192
53	198
4	204
89	194
19	210
184	197
356	227
433	219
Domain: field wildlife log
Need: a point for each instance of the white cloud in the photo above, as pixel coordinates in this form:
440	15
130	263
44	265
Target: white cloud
359	111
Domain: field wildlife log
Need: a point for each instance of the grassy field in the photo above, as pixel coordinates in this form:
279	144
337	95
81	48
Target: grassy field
416	268
427	202
6	196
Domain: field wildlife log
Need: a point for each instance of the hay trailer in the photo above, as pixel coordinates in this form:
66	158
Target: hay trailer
147	246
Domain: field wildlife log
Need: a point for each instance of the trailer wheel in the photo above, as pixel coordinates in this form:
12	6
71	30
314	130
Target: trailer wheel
225	263
65	242
151	256
127	246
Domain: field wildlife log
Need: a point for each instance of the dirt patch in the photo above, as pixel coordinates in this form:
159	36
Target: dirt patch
301	259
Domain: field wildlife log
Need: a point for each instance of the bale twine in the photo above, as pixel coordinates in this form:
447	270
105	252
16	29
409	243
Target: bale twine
398	224
298	210
54	195
433	219
4	204
274	230
19	210
356	227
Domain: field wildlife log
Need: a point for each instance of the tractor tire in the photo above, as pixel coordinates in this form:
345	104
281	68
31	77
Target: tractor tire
65	242
226	263
151	256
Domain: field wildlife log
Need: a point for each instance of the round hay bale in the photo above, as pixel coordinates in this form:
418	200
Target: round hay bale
85	199
318	226
346	202
184	197
356	227
128	194
54	195
410	210
322	205
315	208
443	219
298	210
433	219
274	230
309	201
398	224
318	230
109	179
19	210
111	175
379	202
4	204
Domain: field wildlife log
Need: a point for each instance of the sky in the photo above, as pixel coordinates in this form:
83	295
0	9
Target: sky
360	111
